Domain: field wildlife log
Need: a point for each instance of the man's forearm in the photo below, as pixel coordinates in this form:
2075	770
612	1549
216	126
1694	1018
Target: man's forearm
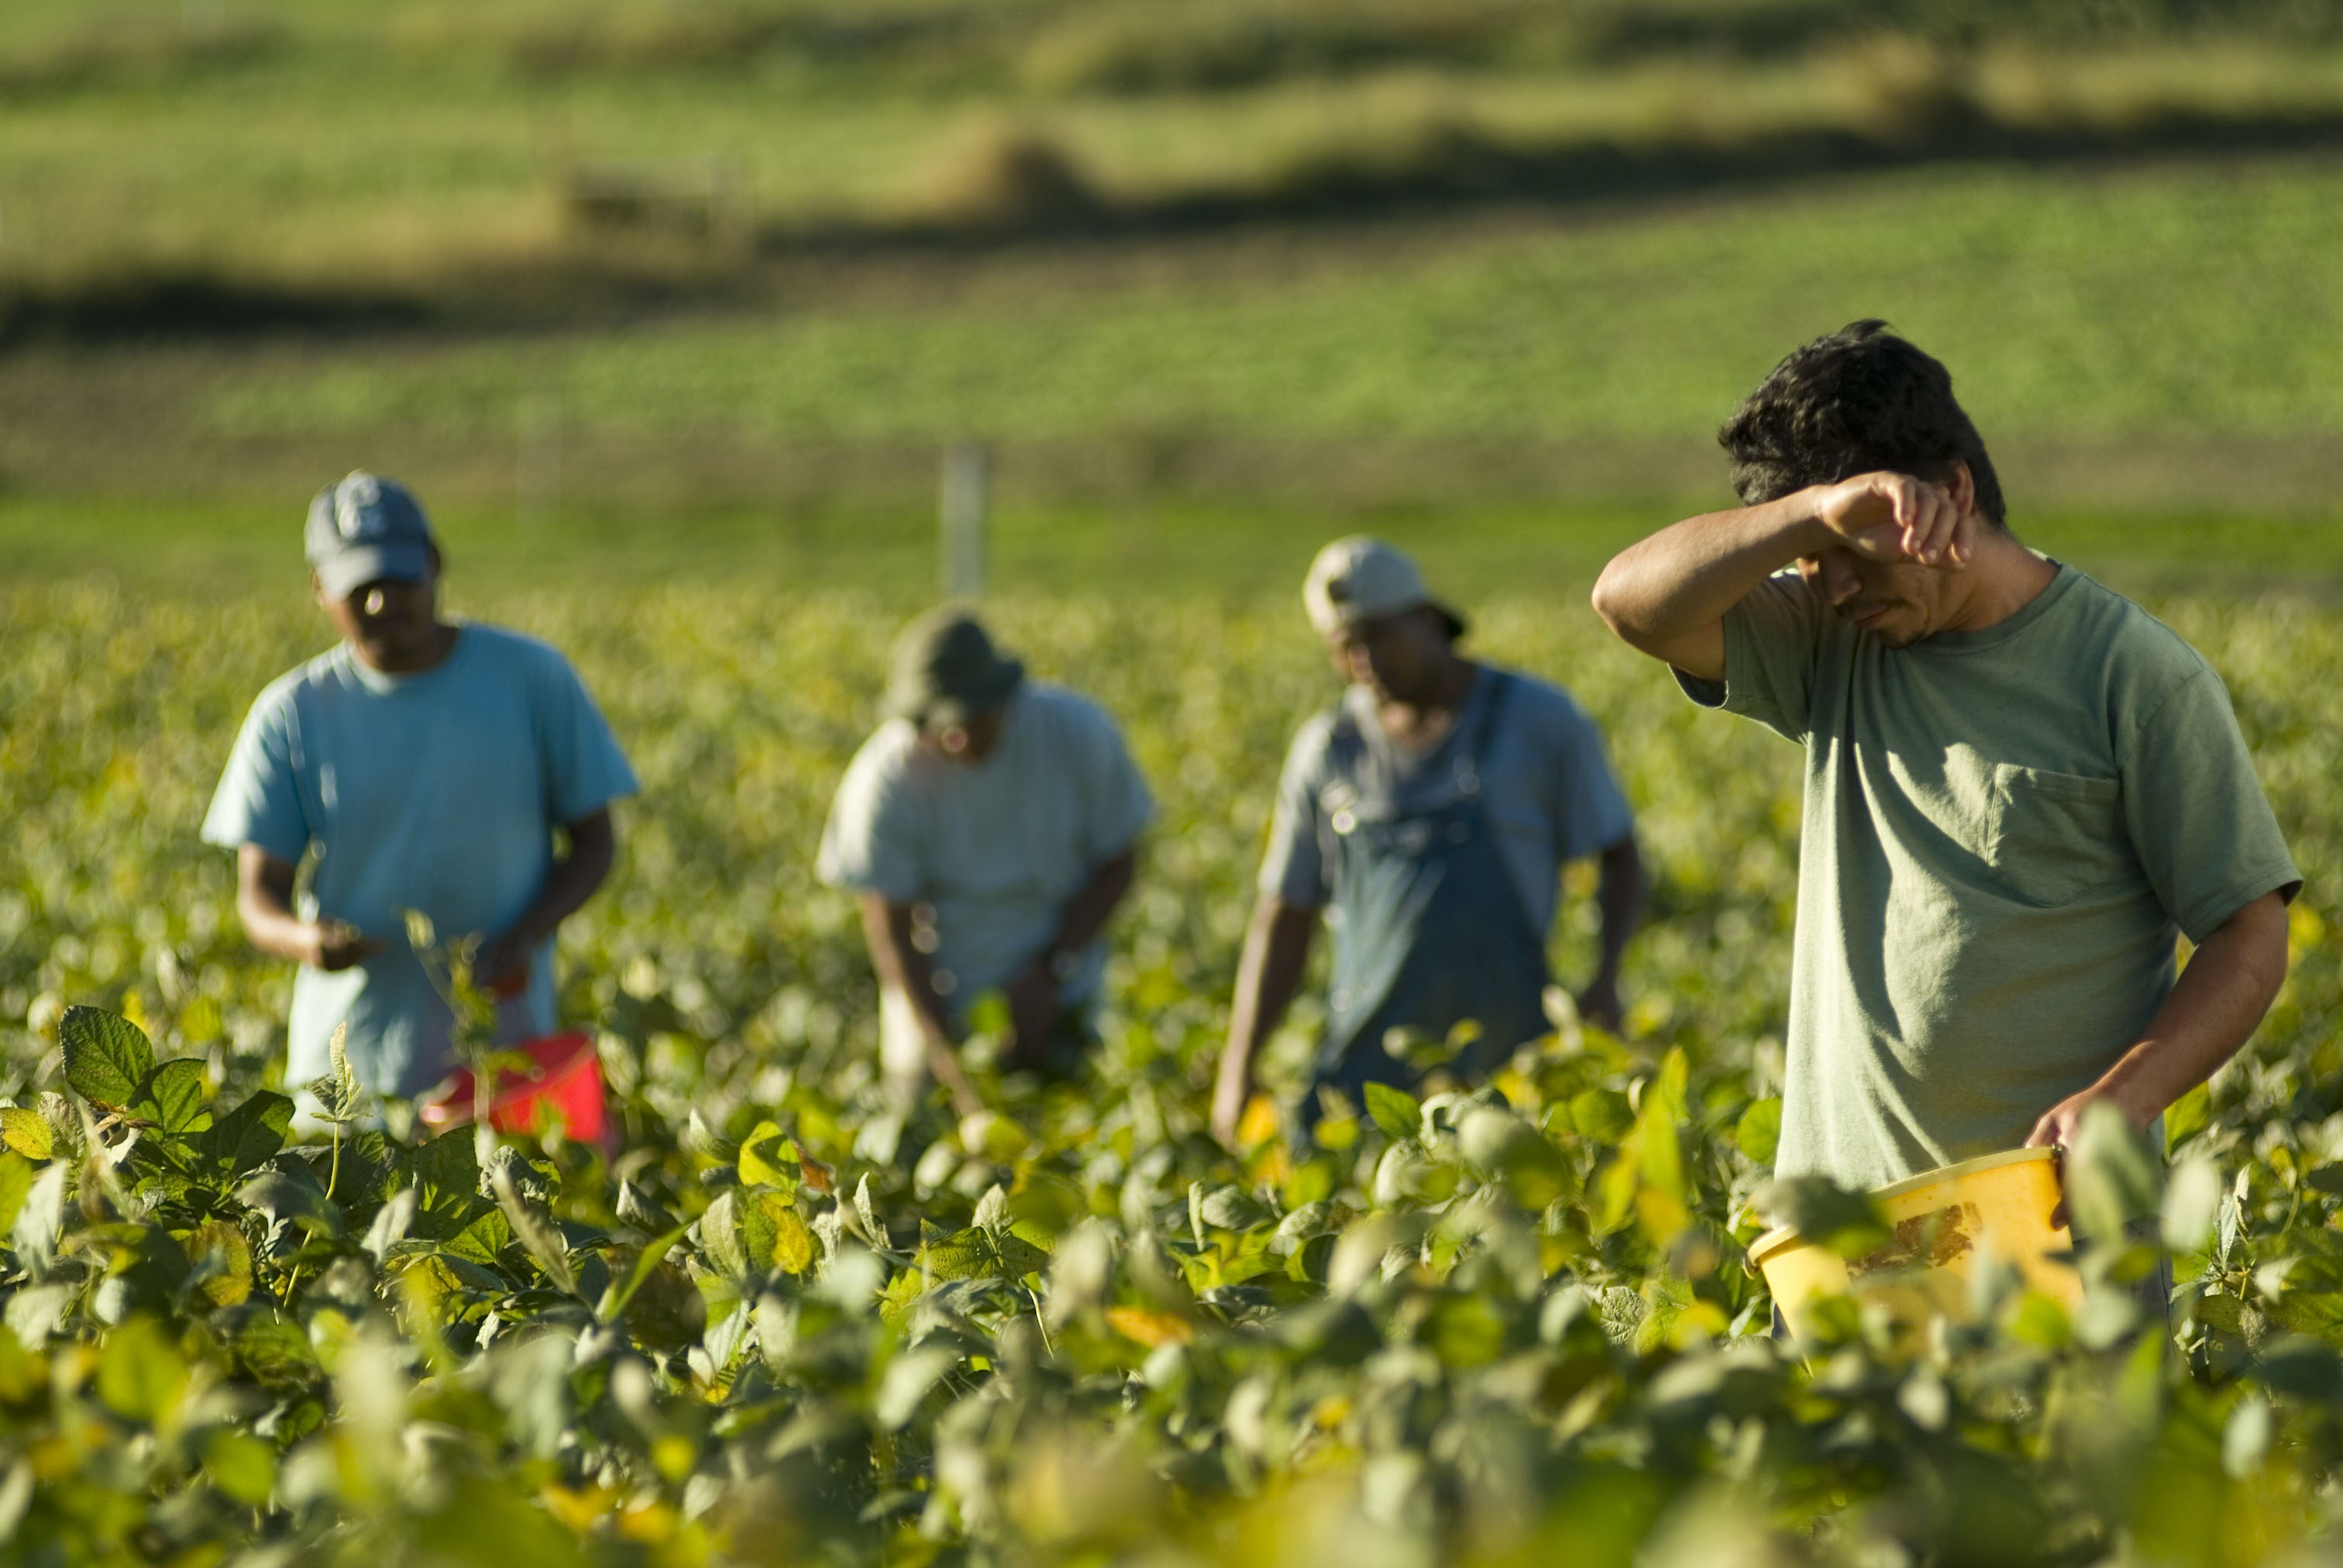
2218	999
575	878
2213	1009
272	928
902	967
1619	902
1685	576
1276	952
1088	911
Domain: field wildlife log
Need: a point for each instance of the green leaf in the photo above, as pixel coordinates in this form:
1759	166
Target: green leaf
340	1098
447	1169
107	1057
537	1234
483	1240
1825	1214
1394	1110
140	1373
2112	1174
273	1349
249	1136
646	1262
241	1465
25	1131
2187	1116
171	1098
1232	1208
291	1192
907	1381
1758	1134
962	1255
717	1232
1602	1115
895	1303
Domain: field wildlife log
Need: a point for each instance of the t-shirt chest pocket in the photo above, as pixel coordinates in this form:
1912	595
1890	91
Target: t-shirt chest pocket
2050	838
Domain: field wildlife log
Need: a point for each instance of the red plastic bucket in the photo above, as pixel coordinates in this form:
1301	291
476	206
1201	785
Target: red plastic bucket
561	1085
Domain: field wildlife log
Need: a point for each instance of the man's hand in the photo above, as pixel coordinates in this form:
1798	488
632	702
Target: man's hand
1033	1008
2063	1122
501	966
331	945
1889	517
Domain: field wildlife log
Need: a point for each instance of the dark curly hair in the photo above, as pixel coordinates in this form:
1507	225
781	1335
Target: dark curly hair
1857	401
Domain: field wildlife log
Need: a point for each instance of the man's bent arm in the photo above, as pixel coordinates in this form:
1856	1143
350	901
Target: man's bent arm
2229	984
593	848
1088	911
1619	902
1276	950
264	902
902	967
1668	595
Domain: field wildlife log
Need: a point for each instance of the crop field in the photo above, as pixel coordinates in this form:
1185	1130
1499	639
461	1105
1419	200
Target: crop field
784	1324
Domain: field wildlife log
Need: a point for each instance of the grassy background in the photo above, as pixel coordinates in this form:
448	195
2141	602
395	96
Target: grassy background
697	288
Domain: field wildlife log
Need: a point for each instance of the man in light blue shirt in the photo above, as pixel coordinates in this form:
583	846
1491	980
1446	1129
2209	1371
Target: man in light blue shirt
425	764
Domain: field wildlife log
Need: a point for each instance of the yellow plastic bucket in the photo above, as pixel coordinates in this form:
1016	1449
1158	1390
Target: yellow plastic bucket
1947	1222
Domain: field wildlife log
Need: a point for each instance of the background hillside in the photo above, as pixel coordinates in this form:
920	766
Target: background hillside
643	284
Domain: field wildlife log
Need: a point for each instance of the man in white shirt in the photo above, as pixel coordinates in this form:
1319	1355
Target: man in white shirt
988	827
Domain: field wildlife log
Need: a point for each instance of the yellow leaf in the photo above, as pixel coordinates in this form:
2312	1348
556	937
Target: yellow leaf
220	1248
768	1158
27	1132
1257	1125
1149	1327
1663	1213
650	1521
580	1509
793	1248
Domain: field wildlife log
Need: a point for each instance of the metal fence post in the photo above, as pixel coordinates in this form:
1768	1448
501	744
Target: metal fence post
967	478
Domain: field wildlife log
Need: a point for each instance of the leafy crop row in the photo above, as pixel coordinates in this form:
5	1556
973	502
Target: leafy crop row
781	1324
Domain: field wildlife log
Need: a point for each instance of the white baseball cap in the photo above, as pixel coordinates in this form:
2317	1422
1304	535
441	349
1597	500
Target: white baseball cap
1358	578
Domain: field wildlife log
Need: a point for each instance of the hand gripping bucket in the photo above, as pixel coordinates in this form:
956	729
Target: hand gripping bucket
1946	1222
561	1084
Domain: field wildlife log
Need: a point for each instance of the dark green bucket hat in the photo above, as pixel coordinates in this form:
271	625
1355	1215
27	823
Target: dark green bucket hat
946	671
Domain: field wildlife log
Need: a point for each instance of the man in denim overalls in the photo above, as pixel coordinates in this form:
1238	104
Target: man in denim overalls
1426	818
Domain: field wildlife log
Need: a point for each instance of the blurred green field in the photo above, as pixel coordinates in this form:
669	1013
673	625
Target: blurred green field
406	143
615	286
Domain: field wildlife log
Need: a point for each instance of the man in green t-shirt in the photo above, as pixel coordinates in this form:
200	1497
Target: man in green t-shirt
2021	788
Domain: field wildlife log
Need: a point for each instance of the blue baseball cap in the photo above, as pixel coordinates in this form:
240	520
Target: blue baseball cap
366	528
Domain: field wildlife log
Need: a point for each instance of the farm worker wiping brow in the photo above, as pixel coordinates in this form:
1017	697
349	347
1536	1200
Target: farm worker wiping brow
989	826
2020	787
427	764
1428	815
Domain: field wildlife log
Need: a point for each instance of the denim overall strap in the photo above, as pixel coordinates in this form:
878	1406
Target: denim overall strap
1429	929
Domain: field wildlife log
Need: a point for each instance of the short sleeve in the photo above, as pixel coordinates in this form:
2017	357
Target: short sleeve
1116	803
1295	870
258	800
2200	822
1773	642
584	771
872	842
1589	811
